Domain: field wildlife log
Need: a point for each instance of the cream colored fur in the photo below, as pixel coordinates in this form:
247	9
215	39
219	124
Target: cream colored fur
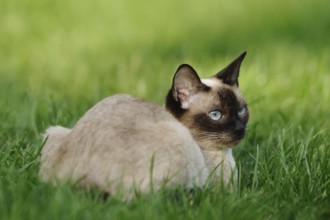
222	166
124	144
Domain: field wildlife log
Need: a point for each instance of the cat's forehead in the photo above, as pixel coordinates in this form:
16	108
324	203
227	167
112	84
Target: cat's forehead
212	83
221	94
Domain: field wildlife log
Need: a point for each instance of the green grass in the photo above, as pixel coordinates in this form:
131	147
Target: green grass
58	58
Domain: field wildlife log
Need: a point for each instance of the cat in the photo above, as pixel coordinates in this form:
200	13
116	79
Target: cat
124	145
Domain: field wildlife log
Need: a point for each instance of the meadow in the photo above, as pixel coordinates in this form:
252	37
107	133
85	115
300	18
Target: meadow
58	58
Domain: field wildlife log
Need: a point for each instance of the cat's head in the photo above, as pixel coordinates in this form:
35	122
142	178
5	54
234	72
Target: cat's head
213	109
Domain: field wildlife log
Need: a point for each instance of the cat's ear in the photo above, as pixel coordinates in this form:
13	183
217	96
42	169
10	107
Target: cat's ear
229	75
186	83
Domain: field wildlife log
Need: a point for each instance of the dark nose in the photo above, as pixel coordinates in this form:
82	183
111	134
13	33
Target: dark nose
239	127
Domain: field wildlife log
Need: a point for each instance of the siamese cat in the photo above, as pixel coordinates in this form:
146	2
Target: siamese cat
124	144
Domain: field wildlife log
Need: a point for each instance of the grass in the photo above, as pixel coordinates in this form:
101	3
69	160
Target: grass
58	58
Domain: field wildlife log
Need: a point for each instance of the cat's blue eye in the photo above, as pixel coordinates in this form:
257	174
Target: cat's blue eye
215	115
242	111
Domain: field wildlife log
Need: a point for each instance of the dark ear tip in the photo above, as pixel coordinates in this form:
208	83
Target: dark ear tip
241	57
184	65
186	68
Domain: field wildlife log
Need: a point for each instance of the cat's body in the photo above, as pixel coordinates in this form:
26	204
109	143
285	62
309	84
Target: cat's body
101	150
124	144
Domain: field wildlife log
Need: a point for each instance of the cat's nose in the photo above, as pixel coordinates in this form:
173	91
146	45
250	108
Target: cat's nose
239	127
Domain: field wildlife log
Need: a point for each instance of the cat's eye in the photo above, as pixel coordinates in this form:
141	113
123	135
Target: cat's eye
242	111
215	115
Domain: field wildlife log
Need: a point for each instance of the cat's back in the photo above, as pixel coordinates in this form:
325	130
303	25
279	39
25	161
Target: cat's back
123	115
121	108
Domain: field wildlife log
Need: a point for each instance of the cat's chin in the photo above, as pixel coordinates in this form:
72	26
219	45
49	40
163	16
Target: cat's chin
233	142
221	145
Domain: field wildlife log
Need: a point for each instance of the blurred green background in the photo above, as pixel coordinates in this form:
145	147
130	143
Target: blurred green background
58	58
77	52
